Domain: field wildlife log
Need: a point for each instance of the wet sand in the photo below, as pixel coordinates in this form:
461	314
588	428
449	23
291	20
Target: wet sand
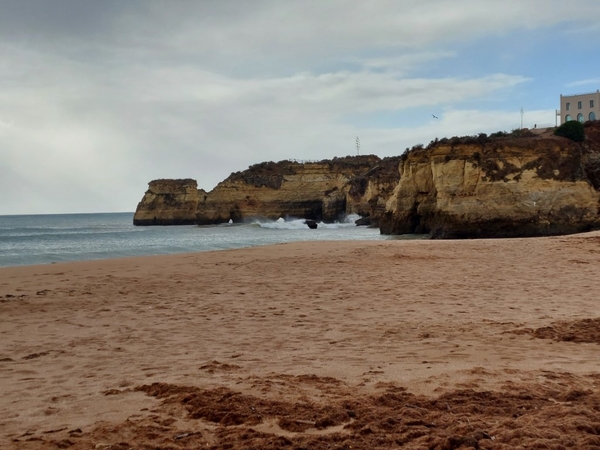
380	344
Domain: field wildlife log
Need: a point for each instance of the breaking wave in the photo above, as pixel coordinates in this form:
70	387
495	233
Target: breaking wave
299	224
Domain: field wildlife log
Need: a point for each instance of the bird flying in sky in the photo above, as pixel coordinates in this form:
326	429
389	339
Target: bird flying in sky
434	116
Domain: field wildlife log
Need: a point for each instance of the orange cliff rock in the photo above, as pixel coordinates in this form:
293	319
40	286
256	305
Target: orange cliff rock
168	202
509	186
326	190
512	187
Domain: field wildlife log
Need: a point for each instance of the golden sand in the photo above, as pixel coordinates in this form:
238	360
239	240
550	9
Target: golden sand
424	344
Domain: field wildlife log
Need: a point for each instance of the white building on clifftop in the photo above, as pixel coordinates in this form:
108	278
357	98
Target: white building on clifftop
581	107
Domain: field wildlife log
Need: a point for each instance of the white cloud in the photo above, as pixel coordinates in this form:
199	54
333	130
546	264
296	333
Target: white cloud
457	122
5	126
333	94
453	122
301	28
594	81
401	65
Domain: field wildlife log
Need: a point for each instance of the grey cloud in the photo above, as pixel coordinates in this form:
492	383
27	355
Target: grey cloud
49	22
97	98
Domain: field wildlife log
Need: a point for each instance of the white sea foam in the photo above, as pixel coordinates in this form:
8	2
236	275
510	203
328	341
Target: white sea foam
299	224
351	218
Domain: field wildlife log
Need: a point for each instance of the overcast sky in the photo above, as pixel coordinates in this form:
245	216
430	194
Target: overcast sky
99	97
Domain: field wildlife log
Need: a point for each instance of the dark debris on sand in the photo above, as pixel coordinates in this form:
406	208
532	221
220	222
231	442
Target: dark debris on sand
534	416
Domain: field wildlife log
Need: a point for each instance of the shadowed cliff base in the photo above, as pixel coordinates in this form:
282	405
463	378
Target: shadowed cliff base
452	227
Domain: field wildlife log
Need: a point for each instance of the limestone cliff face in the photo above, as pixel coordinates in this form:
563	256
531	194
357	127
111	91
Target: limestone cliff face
368	194
324	190
502	188
168	202
456	188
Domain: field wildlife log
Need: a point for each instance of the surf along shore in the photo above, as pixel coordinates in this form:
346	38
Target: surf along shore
489	344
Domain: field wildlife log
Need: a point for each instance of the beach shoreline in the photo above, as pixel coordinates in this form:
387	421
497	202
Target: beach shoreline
104	353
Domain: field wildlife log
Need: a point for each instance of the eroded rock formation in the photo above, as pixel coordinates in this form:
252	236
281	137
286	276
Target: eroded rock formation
320	191
368	194
168	202
542	185
528	185
325	190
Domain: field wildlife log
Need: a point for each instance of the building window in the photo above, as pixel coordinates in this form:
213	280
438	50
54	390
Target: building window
578	105
580	117
592	115
568	106
568	118
591	103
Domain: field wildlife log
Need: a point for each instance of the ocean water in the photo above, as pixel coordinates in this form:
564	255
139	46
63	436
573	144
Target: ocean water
45	239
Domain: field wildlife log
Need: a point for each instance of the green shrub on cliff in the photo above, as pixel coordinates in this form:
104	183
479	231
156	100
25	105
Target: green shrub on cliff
572	129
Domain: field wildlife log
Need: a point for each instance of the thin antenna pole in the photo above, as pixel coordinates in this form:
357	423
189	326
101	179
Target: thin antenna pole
357	145
522	117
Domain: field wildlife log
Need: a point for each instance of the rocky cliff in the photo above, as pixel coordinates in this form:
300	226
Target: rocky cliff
168	202
325	190
481	187
322	191
517	184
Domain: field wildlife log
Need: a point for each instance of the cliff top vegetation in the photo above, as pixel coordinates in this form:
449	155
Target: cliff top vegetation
525	138
270	174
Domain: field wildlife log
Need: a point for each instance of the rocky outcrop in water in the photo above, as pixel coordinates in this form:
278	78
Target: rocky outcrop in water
168	202
319	191
533	186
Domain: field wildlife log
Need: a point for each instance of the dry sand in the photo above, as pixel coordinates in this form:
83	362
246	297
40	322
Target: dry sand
489	344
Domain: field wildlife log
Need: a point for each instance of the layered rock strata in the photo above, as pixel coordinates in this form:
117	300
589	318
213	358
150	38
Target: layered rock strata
500	188
532	185
168	202
321	191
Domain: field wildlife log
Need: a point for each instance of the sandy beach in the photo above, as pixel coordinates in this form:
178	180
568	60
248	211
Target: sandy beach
490	344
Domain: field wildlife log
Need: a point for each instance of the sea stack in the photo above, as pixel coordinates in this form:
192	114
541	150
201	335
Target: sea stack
168	202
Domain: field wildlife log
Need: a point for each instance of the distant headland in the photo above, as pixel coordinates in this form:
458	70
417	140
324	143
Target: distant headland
524	183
